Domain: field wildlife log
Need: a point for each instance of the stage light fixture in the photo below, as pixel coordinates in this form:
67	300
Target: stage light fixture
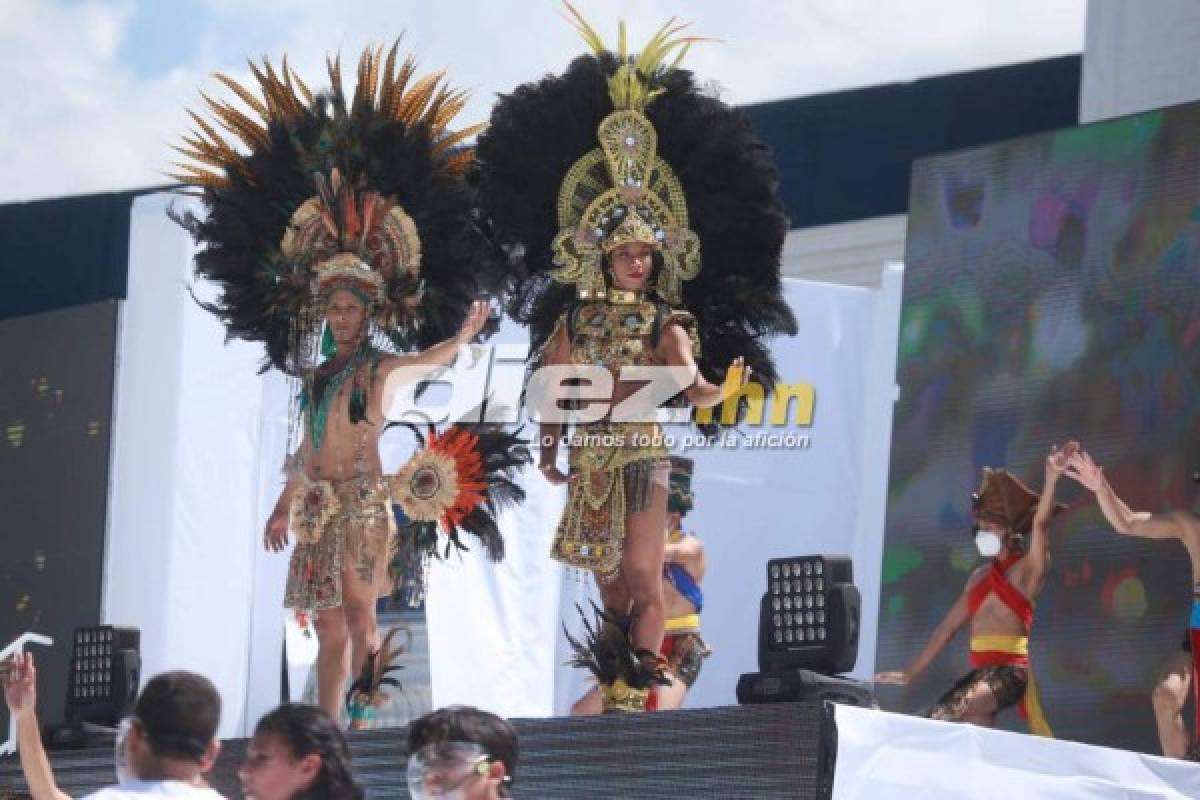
809	616
807	632
105	669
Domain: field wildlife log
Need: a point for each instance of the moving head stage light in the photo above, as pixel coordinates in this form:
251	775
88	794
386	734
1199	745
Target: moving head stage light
808	630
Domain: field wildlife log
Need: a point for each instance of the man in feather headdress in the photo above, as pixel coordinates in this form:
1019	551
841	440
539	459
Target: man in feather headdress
344	241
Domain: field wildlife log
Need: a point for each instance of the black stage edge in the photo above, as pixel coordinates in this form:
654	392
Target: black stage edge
766	751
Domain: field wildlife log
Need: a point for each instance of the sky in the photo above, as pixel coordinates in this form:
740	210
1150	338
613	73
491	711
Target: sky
96	90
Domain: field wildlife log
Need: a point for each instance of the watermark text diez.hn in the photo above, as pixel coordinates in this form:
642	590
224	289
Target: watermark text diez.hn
496	387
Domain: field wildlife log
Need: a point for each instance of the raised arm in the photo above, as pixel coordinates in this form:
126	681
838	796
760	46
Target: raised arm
955	618
19	678
442	353
1038	556
1168	525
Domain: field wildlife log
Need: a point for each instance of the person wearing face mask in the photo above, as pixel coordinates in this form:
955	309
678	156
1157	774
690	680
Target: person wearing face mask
170	742
1012	530
298	753
461	753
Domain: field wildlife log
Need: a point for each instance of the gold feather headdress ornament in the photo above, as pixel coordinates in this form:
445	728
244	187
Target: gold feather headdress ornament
622	191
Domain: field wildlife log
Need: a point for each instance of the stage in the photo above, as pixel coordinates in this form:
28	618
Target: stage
795	750
732	752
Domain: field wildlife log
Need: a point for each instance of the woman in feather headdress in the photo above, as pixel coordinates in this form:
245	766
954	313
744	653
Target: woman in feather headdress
659	247
342	236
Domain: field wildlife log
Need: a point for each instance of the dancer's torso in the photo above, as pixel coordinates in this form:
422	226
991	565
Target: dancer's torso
675	604
615	336
993	616
347	449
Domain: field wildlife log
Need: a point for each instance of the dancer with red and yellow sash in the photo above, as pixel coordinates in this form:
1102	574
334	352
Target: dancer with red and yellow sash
1012	529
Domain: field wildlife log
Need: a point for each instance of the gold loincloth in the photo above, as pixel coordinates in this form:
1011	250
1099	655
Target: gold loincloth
339	524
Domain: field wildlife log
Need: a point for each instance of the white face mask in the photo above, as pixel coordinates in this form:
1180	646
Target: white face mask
989	543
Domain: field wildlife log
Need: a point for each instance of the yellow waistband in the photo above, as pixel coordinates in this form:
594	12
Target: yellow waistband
997	643
685	623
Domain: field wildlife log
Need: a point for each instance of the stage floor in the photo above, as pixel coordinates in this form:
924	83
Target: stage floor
734	752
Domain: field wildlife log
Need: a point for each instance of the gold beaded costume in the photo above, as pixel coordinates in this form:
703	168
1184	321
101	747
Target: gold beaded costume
617	463
338	523
654	160
620	192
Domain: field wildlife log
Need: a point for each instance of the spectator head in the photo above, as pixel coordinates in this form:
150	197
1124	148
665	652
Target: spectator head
298	753
172	734
461	749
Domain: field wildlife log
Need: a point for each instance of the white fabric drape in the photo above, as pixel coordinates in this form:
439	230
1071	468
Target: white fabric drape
183	491
881	756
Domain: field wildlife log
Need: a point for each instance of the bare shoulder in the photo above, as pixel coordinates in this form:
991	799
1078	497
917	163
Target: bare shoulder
678	334
976	576
692	546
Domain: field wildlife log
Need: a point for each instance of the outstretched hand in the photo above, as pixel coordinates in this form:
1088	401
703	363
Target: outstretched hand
1058	460
1082	468
477	317
18	676
739	365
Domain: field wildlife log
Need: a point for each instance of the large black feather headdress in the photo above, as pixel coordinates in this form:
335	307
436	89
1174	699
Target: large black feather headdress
621	148
308	192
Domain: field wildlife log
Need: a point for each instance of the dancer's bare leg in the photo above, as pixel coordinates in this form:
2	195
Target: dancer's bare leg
333	665
358	602
641	569
671	697
588	705
1169	696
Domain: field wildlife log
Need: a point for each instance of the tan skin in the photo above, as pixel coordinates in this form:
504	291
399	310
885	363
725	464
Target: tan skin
994	618
271	771
18	677
638	587
347	634
688	551
1175	680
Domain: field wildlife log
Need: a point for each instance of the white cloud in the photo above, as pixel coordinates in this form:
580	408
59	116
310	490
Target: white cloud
75	119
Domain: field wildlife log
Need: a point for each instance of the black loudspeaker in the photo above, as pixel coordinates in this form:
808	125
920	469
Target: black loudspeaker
106	668
809	616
